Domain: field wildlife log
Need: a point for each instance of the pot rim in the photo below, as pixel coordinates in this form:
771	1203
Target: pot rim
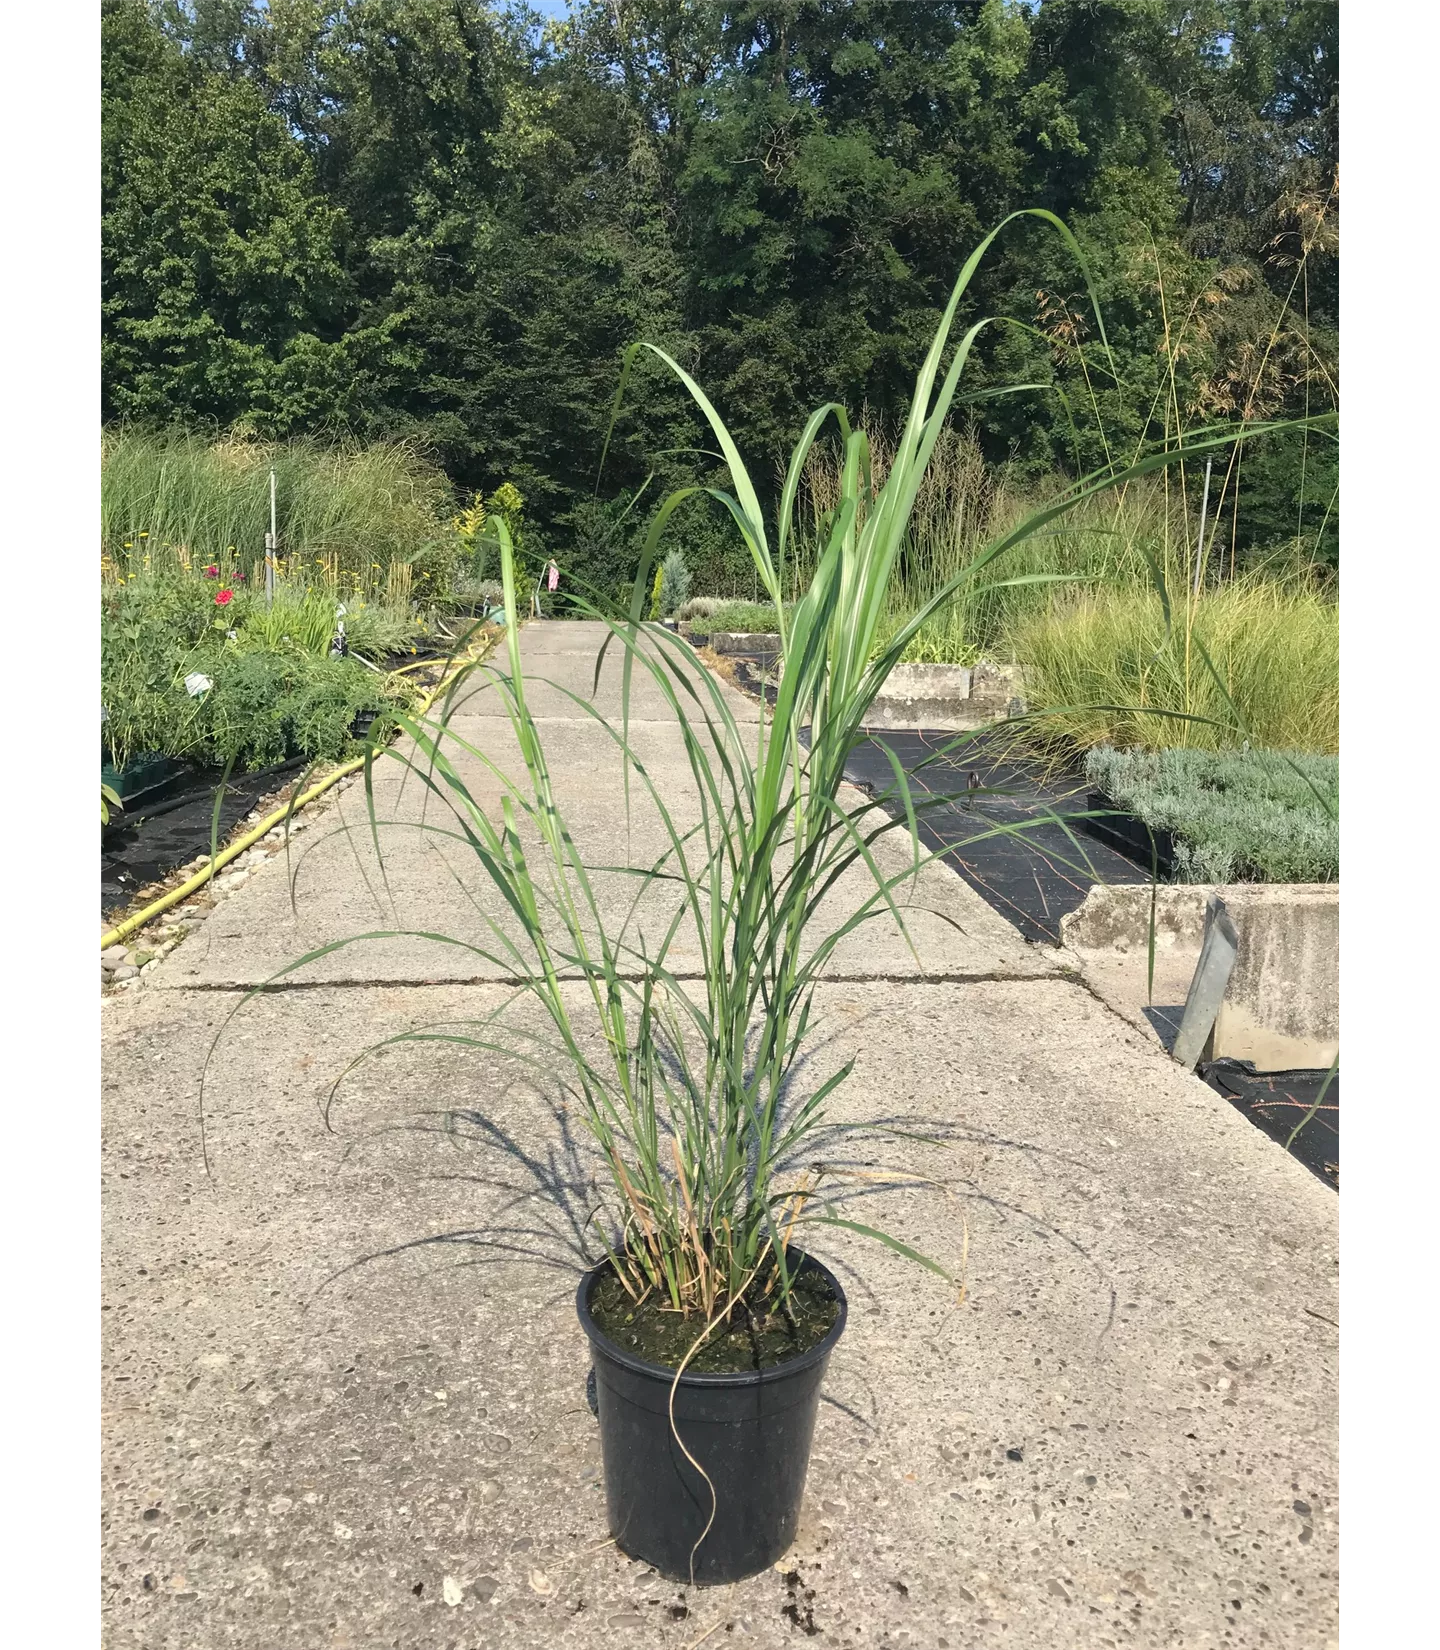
712	1378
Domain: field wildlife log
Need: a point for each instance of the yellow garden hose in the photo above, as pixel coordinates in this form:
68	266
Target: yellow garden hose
193	884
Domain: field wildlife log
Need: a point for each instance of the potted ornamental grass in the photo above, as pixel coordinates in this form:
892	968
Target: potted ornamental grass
708	1319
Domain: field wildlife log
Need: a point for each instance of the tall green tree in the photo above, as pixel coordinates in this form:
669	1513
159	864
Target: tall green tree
221	258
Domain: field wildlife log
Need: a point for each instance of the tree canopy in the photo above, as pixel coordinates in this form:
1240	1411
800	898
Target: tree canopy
446	219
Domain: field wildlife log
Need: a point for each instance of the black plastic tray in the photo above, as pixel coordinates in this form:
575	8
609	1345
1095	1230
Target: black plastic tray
145	777
1130	836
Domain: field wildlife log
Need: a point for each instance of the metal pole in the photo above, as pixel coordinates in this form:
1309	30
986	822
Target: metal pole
1199	542
270	542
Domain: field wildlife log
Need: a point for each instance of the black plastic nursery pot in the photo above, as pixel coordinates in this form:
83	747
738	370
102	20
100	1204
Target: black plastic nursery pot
750	1431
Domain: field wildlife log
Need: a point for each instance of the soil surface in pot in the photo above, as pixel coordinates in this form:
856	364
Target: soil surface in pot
757	1334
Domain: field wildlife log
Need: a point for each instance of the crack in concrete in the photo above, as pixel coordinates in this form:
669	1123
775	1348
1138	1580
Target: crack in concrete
957	977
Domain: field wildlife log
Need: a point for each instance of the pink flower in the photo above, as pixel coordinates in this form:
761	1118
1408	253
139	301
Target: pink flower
212	572
223	596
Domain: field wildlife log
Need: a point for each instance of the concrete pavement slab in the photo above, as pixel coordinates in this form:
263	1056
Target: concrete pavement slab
334	886
349	1367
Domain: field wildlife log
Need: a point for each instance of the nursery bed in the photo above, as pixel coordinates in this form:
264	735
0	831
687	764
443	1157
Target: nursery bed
1036	879
169	804
145	844
1275	1101
1032	879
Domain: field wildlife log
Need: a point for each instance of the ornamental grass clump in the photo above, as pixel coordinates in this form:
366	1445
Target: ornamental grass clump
1253	660
178	498
679	1042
